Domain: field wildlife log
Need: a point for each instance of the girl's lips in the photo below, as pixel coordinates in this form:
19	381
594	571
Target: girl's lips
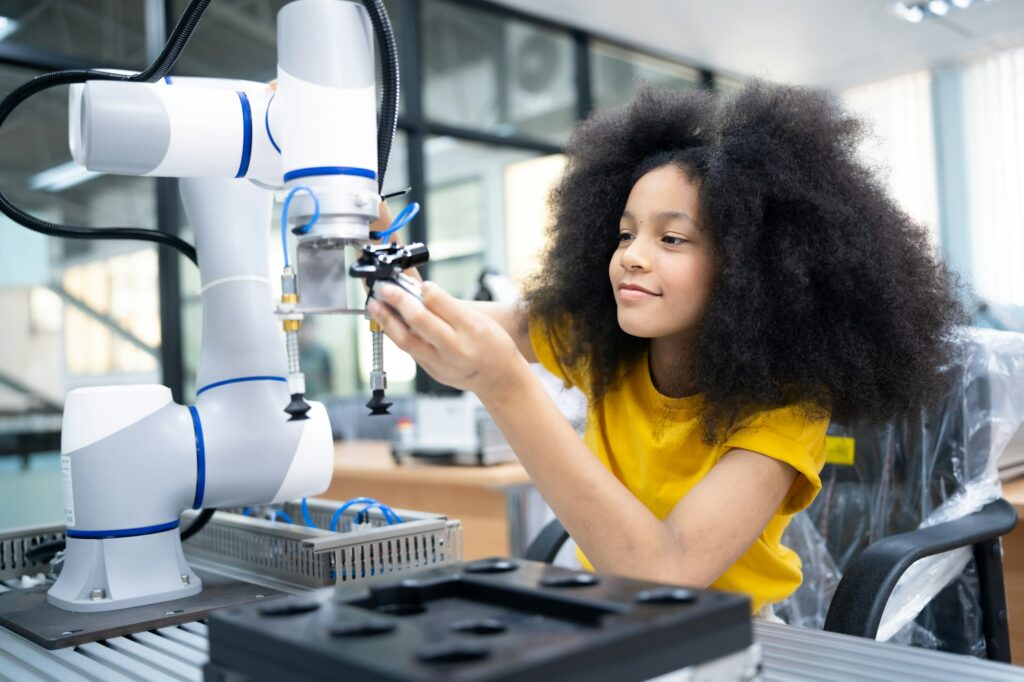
628	294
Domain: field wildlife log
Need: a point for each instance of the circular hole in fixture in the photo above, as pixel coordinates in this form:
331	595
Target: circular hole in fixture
490	566
451	652
288	607
361	628
569	580
667	595
483	626
401	608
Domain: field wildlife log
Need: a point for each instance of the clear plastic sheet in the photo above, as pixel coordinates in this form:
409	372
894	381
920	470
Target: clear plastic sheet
915	473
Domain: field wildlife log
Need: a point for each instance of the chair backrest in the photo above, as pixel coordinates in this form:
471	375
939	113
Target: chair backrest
907	473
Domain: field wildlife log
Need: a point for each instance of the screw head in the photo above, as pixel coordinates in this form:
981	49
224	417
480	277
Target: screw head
98	594
186	578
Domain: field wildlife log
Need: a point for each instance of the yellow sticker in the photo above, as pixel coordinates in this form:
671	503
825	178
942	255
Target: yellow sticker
839	450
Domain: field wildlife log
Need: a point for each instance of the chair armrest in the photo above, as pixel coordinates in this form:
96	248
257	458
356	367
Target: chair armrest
862	594
547	543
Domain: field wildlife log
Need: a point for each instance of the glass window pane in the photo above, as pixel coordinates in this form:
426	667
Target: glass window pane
235	39
992	98
458	275
615	72
104	32
504	76
77	312
238	39
902	143
468	209
725	86
528	186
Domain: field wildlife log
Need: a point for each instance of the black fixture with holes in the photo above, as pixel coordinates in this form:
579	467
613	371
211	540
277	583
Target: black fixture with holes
491	619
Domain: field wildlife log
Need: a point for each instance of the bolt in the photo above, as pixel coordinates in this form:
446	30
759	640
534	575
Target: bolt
185	578
98	594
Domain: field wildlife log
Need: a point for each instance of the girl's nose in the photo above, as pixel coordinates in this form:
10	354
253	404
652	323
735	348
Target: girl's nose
633	257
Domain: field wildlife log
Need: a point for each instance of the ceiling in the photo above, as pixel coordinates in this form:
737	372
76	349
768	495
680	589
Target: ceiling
834	43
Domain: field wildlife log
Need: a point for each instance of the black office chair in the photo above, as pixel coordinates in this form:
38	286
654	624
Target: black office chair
869	512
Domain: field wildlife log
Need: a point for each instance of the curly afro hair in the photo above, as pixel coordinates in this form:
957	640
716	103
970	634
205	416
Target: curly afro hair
828	295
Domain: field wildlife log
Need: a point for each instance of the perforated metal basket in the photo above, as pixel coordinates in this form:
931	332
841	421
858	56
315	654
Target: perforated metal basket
314	557
16	543
288	554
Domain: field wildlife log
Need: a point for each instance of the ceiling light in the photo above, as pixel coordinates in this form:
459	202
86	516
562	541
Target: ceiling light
912	13
917	11
61	177
7	27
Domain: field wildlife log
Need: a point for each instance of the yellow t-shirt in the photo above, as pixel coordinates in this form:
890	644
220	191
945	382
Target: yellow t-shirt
653	445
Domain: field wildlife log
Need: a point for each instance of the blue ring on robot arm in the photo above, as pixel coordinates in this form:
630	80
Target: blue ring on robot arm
122	532
266	123
329	170
238	380
243	166
197	425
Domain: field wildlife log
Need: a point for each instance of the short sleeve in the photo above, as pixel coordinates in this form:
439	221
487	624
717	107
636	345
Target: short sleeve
546	343
788	435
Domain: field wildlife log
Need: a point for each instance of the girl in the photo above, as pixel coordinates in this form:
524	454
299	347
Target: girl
720	280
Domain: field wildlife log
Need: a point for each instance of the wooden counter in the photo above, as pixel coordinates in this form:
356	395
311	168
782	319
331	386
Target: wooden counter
1013	570
487	500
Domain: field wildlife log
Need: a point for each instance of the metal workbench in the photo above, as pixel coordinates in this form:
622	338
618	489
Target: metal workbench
178	653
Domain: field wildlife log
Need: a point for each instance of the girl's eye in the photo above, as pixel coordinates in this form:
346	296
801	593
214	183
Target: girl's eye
625	236
674	241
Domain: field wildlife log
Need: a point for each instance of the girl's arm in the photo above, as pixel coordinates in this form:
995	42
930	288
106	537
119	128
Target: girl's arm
717	521
511	318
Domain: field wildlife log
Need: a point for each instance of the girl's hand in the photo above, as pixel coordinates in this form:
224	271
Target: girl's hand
456	344
382	223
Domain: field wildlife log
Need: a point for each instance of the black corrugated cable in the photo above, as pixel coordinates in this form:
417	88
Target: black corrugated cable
157	70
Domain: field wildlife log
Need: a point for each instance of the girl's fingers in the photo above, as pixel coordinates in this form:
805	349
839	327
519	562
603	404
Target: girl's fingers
384	219
453	311
424	322
398	332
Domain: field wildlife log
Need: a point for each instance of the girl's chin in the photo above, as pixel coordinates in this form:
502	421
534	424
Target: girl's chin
643	329
639	330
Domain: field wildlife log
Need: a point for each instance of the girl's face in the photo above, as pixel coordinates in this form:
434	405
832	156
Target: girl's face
663	270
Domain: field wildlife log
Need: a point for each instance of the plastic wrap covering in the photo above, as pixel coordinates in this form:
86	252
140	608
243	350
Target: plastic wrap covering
913	473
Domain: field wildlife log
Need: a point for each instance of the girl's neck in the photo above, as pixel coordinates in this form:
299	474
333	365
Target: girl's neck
671	365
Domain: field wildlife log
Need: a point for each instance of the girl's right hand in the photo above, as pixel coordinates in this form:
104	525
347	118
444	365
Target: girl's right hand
384	222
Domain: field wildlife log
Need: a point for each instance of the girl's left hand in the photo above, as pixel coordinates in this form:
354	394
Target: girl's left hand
454	343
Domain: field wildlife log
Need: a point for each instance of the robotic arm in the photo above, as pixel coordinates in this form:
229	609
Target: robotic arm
132	459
